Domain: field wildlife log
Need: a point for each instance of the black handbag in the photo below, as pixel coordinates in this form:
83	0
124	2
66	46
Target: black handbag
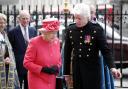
61	83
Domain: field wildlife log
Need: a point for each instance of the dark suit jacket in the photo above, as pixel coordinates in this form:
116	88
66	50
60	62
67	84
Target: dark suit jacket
19	46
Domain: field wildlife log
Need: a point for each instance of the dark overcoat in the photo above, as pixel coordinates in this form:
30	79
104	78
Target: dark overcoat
19	46
82	46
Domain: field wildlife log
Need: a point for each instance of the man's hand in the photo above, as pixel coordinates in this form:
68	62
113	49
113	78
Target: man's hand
7	60
68	79
116	73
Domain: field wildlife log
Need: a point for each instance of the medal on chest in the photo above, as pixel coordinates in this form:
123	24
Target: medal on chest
87	39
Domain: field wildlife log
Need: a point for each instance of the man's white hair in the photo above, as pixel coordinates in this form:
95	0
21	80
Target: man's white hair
82	9
24	12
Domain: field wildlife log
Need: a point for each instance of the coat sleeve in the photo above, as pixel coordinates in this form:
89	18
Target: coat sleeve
105	50
67	54
30	57
11	36
59	62
34	31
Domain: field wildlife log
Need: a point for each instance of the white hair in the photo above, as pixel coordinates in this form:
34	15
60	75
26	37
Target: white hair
3	16
24	13
82	9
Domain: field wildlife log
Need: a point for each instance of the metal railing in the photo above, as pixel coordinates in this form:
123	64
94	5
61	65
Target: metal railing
105	15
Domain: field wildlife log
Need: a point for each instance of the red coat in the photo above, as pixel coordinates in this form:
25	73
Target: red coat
41	53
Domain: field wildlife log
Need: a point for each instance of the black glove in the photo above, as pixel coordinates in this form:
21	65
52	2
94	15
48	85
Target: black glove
55	69
50	70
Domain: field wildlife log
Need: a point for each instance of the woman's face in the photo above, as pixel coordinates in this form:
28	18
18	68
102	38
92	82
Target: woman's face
2	24
80	20
49	36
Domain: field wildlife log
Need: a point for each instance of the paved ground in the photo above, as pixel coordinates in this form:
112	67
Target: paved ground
121	88
124	84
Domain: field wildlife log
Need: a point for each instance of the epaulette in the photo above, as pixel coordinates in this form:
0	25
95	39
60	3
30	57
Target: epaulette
95	25
94	22
72	23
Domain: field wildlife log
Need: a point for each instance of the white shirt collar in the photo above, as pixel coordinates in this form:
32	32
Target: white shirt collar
23	32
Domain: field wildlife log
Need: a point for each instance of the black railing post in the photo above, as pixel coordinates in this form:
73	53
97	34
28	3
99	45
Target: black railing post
7	17
22	7
43	11
36	17
15	15
58	14
112	14
66	24
51	11
97	12
105	17
121	46
0	8
66	18
29	9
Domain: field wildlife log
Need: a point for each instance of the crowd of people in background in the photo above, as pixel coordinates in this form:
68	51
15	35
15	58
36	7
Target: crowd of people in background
38	58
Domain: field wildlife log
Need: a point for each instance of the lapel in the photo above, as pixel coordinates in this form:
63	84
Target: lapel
32	32
29	32
19	35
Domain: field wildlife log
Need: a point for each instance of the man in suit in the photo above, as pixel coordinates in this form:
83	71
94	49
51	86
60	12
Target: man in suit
19	38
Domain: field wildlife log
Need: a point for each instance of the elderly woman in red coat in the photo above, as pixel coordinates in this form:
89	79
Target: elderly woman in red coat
43	58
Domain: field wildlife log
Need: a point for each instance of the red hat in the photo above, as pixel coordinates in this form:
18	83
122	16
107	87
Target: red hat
50	24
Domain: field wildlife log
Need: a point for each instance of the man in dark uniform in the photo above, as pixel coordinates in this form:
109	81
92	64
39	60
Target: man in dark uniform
83	42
